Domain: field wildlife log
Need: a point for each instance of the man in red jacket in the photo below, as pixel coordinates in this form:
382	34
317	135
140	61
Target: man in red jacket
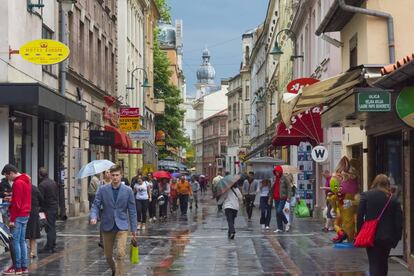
20	206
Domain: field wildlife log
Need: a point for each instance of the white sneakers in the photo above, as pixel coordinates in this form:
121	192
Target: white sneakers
267	227
278	231
287	227
263	226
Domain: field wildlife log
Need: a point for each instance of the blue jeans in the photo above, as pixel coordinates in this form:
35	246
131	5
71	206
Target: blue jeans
280	216
19	233
266	210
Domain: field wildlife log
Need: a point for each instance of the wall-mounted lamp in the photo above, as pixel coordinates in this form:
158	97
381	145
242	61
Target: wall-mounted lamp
277	50
145	83
33	5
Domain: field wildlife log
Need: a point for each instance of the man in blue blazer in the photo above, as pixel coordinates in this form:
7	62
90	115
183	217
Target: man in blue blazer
117	202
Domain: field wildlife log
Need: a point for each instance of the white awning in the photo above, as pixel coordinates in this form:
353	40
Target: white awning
319	93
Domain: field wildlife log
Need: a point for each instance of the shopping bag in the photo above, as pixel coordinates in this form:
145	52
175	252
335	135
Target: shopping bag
301	209
134	252
42	220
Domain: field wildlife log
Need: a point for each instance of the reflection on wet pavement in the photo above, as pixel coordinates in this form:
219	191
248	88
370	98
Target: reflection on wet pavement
198	245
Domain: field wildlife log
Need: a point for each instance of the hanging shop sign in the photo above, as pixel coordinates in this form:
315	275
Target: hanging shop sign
160	138
131	151
319	154
100	137
129	119
147	168
141	135
296	85
374	101
405	106
44	51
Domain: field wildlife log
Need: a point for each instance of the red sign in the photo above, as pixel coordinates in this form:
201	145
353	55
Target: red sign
296	85
130	151
129	112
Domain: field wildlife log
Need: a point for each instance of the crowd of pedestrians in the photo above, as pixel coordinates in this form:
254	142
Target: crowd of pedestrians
26	202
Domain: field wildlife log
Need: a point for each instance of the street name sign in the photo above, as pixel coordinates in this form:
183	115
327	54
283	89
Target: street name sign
141	135
374	101
44	51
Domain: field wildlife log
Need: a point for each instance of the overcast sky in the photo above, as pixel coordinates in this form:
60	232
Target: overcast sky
219	25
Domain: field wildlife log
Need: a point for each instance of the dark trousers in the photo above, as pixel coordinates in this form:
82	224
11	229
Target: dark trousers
280	216
378	260
142	206
231	215
152	210
265	210
249	205
51	228
163	208
183	204
91	199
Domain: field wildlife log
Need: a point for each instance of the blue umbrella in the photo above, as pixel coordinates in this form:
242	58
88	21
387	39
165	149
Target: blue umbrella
176	174
94	167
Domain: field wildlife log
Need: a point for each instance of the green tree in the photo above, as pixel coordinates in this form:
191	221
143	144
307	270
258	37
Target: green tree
170	122
164	10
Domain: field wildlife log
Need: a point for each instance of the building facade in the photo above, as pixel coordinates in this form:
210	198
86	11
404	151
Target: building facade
214	144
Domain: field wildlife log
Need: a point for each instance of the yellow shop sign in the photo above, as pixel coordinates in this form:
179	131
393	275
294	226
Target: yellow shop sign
44	51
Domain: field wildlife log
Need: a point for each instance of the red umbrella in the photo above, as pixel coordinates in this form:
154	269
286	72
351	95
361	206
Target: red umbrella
162	174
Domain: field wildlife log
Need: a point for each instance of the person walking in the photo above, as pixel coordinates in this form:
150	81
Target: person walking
280	193
389	229
49	190
329	218
195	188
5	196
250	187
20	207
155	192
118	204
33	225
230	201
214	184
203	184
164	191
184	192
265	206
142	197
92	188
173	195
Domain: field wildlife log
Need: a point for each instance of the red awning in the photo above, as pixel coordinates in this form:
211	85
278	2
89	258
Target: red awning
305	127
122	140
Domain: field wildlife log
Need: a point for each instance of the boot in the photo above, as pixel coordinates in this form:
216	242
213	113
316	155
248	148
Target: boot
340	237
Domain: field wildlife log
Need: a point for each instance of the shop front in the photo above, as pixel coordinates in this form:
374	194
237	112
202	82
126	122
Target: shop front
33	121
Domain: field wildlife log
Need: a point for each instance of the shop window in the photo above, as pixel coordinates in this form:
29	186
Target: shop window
47	34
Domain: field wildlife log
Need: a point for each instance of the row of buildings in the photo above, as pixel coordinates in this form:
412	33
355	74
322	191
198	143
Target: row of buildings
344	65
53	115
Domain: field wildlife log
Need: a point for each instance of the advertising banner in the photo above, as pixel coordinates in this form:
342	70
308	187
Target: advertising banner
129	119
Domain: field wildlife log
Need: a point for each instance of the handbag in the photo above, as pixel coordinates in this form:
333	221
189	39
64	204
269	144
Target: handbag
134	252
366	236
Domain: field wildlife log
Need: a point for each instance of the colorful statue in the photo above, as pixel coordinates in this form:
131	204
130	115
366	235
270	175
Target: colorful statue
344	199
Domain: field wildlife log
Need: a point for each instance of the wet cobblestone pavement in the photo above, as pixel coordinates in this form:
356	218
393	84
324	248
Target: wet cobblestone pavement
198	245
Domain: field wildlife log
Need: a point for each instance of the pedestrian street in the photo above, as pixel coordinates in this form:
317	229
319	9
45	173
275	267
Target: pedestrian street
198	245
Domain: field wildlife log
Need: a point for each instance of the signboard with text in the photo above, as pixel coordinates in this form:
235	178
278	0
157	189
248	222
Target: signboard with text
129	119
130	151
44	51
374	101
141	135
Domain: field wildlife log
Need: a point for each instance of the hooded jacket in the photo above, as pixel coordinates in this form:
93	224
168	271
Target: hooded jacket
21	200
284	188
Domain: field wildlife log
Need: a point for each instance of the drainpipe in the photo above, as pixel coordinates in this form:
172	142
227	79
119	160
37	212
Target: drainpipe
390	23
64	38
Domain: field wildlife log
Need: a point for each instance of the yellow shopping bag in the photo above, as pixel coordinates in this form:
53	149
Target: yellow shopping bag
134	252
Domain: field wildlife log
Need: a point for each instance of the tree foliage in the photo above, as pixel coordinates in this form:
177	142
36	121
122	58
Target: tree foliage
164	10
171	121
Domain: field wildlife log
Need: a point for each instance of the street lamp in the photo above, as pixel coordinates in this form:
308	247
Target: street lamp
277	50
67	5
145	83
